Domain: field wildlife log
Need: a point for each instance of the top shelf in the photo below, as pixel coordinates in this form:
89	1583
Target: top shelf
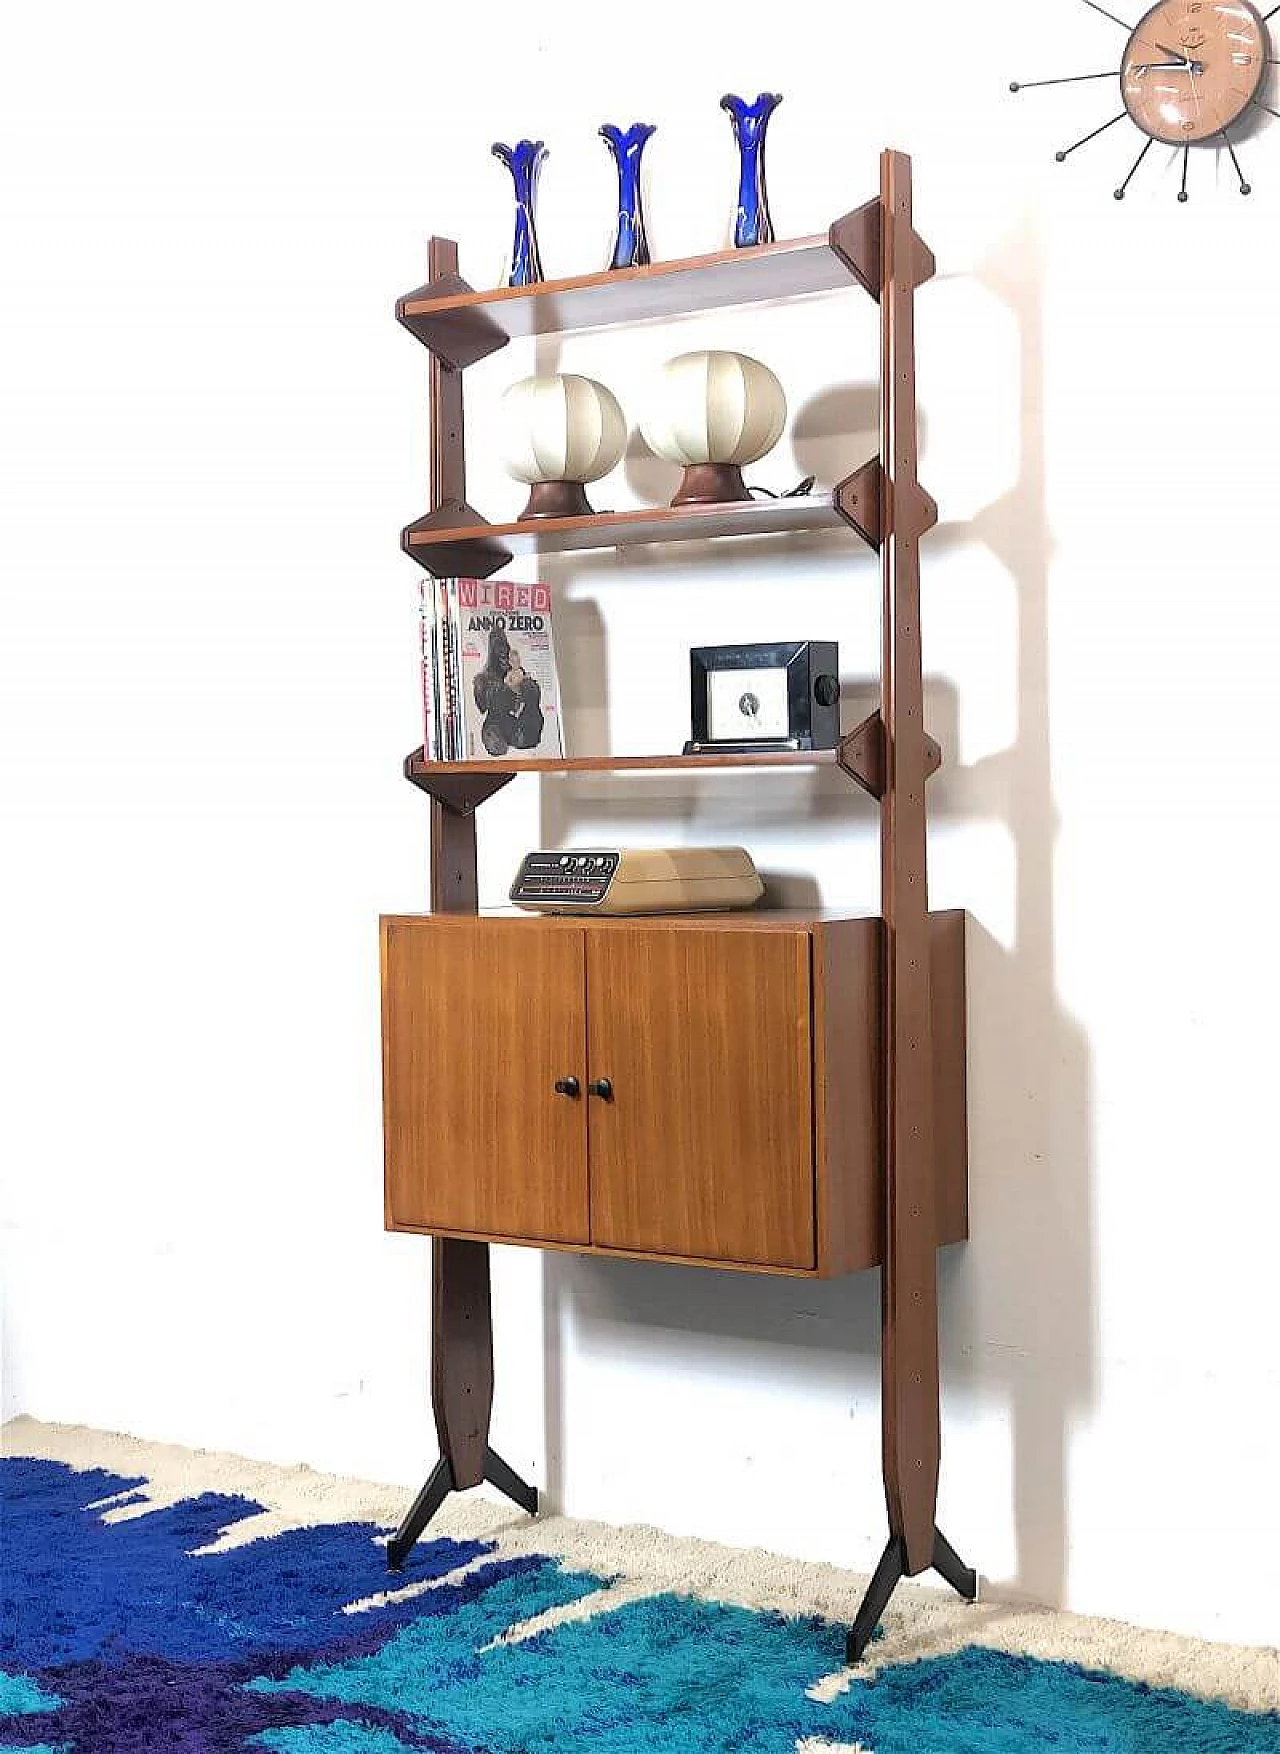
461	325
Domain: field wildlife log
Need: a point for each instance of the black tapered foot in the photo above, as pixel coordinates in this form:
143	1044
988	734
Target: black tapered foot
886	1578
438	1487
890	1573
949	1566
500	1474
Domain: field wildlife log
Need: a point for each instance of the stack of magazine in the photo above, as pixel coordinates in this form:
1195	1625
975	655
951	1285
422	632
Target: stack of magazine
489	685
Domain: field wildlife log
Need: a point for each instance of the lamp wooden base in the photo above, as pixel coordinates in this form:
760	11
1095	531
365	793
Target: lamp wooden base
711	484
557	499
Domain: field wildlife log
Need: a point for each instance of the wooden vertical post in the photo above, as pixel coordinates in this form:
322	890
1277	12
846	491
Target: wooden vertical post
461	1308
912	1438
911	1413
461	1321
448	482
462	1325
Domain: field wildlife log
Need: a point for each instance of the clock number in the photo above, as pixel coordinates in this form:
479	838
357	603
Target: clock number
1188	127
1243	60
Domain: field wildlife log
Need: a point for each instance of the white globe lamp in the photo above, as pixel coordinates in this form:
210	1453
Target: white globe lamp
713	413
557	434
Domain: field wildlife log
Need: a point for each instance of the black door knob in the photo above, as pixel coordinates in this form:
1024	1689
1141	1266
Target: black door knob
567	1087
602	1088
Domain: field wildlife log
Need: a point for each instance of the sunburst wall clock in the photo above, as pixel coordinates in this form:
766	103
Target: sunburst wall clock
1191	71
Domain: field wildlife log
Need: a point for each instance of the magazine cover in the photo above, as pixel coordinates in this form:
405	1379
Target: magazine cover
510	696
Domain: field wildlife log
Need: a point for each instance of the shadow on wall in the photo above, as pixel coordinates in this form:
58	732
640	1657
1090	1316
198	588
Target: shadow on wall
1023	1295
1018	1327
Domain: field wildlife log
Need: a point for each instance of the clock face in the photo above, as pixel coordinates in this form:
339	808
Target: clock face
1193	67
744	704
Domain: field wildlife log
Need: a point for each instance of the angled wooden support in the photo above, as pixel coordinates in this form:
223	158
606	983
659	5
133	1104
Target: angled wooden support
910	1410
858	500
465	336
447	557
862	755
856	239
461	793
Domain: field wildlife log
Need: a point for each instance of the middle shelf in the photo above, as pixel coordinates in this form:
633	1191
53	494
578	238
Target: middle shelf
462	785
453	542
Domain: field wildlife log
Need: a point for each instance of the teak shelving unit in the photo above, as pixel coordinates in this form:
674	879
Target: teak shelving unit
889	756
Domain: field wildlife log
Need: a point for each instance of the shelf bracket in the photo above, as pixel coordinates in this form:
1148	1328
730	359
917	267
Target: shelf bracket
926	510
466	336
862	755
858	499
462	793
856	239
449	558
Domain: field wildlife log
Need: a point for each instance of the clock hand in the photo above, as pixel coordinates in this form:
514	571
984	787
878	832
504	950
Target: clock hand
1195	92
1183	60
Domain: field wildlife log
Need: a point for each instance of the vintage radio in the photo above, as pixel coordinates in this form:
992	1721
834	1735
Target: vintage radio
630	880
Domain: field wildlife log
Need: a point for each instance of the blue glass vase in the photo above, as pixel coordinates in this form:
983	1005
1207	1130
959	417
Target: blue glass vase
753	225
524	161
630	245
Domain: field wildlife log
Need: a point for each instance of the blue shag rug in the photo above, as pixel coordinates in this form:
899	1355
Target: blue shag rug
124	1637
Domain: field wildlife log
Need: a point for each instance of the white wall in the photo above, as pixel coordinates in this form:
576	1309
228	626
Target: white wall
212	432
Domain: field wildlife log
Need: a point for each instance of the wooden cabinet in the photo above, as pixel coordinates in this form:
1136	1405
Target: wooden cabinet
479	1021
694	1089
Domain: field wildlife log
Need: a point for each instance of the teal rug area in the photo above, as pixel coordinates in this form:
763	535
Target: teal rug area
136	1623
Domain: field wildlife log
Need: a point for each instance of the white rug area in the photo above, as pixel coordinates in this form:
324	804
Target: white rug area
920	1622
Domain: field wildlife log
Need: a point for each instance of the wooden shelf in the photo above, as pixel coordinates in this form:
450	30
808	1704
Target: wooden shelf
628	763
461	325
463	785
453	542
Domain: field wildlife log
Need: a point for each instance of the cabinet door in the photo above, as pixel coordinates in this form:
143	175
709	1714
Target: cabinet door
479	1020
705	1148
